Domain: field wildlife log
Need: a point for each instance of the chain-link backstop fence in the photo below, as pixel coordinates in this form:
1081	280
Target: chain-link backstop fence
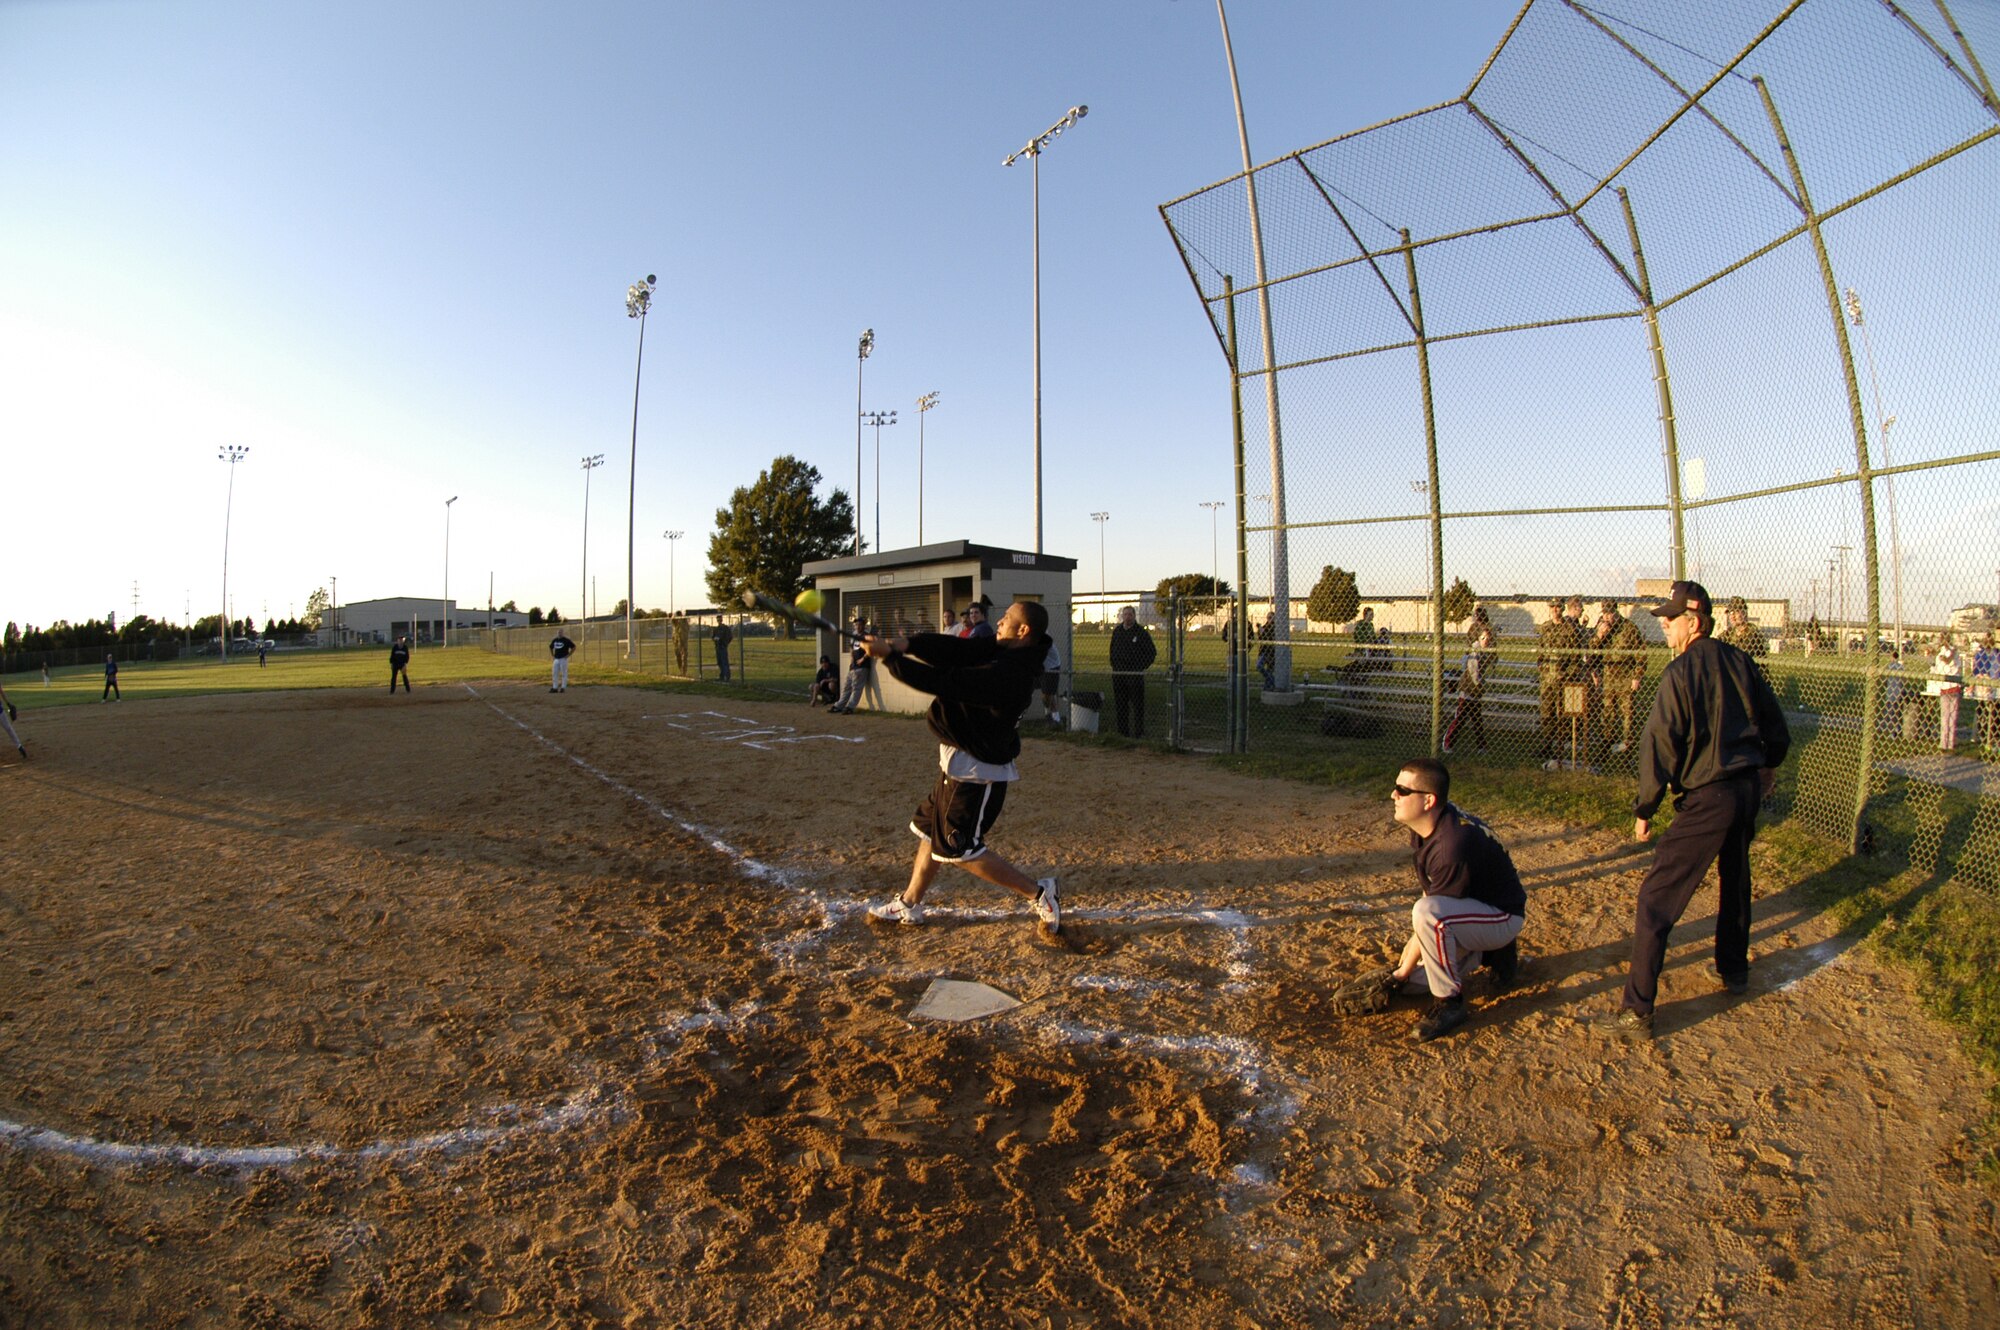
1703	290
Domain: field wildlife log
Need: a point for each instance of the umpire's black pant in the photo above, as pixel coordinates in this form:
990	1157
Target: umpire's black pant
1128	694
1713	824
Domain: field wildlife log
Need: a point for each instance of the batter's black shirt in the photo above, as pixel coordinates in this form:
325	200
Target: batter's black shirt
1462	857
981	689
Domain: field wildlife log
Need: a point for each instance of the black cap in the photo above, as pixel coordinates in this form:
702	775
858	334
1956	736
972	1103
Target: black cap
1683	597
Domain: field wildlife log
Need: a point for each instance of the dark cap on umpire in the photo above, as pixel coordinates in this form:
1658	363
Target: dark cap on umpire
1683	597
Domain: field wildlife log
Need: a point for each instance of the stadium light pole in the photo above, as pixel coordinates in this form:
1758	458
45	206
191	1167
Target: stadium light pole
671	536
335	582
1033	152
878	419
590	464
232	454
1101	519
444	606
867	347
1855	314
1214	507
1281	558
638	299
924	405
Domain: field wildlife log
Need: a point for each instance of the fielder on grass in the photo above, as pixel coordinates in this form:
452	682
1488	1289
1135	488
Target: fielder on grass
981	685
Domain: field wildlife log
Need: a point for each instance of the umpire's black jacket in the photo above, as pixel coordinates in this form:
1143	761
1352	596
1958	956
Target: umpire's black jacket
981	687
1714	717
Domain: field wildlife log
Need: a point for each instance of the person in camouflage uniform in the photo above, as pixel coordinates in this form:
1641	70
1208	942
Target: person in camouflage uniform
1555	658
1741	633
1621	668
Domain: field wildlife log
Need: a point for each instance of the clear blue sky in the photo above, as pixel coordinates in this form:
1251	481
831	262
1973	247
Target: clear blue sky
386	247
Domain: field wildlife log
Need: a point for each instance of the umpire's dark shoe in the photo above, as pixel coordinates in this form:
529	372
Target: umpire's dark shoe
1735	983
1445	1015
1505	962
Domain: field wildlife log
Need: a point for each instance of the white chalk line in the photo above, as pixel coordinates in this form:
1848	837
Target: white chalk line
753	736
579	1107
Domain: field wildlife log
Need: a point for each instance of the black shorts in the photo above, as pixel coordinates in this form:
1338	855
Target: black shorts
957	816
1050	682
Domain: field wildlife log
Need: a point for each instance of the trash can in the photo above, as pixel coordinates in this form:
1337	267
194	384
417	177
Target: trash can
1083	711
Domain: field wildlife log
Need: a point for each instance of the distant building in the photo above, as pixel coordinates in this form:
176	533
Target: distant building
414	617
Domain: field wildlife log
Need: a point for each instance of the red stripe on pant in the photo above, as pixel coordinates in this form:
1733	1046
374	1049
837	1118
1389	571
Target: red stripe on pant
1439	937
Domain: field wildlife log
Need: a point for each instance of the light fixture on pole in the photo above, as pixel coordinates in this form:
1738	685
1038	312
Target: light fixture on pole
924	405
878	419
1033	151
671	536
1214	507
590	464
444	605
638	299
232	454
867	347
1103	600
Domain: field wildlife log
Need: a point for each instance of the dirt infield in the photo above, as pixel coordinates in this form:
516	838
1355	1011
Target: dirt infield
490	1006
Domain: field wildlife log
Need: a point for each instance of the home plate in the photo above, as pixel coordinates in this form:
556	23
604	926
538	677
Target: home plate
961	1000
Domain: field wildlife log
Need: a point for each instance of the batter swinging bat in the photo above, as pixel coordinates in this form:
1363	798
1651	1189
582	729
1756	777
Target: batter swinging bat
757	600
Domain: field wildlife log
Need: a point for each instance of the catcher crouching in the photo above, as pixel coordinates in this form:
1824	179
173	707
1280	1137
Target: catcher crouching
1472	906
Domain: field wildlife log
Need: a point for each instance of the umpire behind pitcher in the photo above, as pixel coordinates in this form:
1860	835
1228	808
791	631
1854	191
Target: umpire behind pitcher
1715	738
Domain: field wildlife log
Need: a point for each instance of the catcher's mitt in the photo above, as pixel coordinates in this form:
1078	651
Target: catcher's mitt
1366	994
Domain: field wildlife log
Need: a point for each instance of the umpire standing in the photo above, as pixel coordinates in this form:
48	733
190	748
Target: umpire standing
1715	739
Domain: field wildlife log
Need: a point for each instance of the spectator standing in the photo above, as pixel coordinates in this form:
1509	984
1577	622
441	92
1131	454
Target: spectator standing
1267	654
1132	654
399	663
722	637
1947	683
1479	656
1621	669
1986	691
1051	683
1554	642
1742	634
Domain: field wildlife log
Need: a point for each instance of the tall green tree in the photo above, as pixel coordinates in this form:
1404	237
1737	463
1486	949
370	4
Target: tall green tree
772	529
1199	593
1459	601
317	604
1334	598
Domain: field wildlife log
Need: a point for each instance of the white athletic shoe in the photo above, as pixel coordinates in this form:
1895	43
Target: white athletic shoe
1048	904
896	910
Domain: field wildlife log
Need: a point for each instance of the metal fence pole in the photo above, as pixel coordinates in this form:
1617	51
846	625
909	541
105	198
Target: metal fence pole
1864	476
1416	316
1669	438
1239	693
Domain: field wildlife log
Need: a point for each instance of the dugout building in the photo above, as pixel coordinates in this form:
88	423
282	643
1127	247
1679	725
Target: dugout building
923	589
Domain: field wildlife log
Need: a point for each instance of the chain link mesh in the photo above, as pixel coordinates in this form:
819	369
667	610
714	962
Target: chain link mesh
1672	290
